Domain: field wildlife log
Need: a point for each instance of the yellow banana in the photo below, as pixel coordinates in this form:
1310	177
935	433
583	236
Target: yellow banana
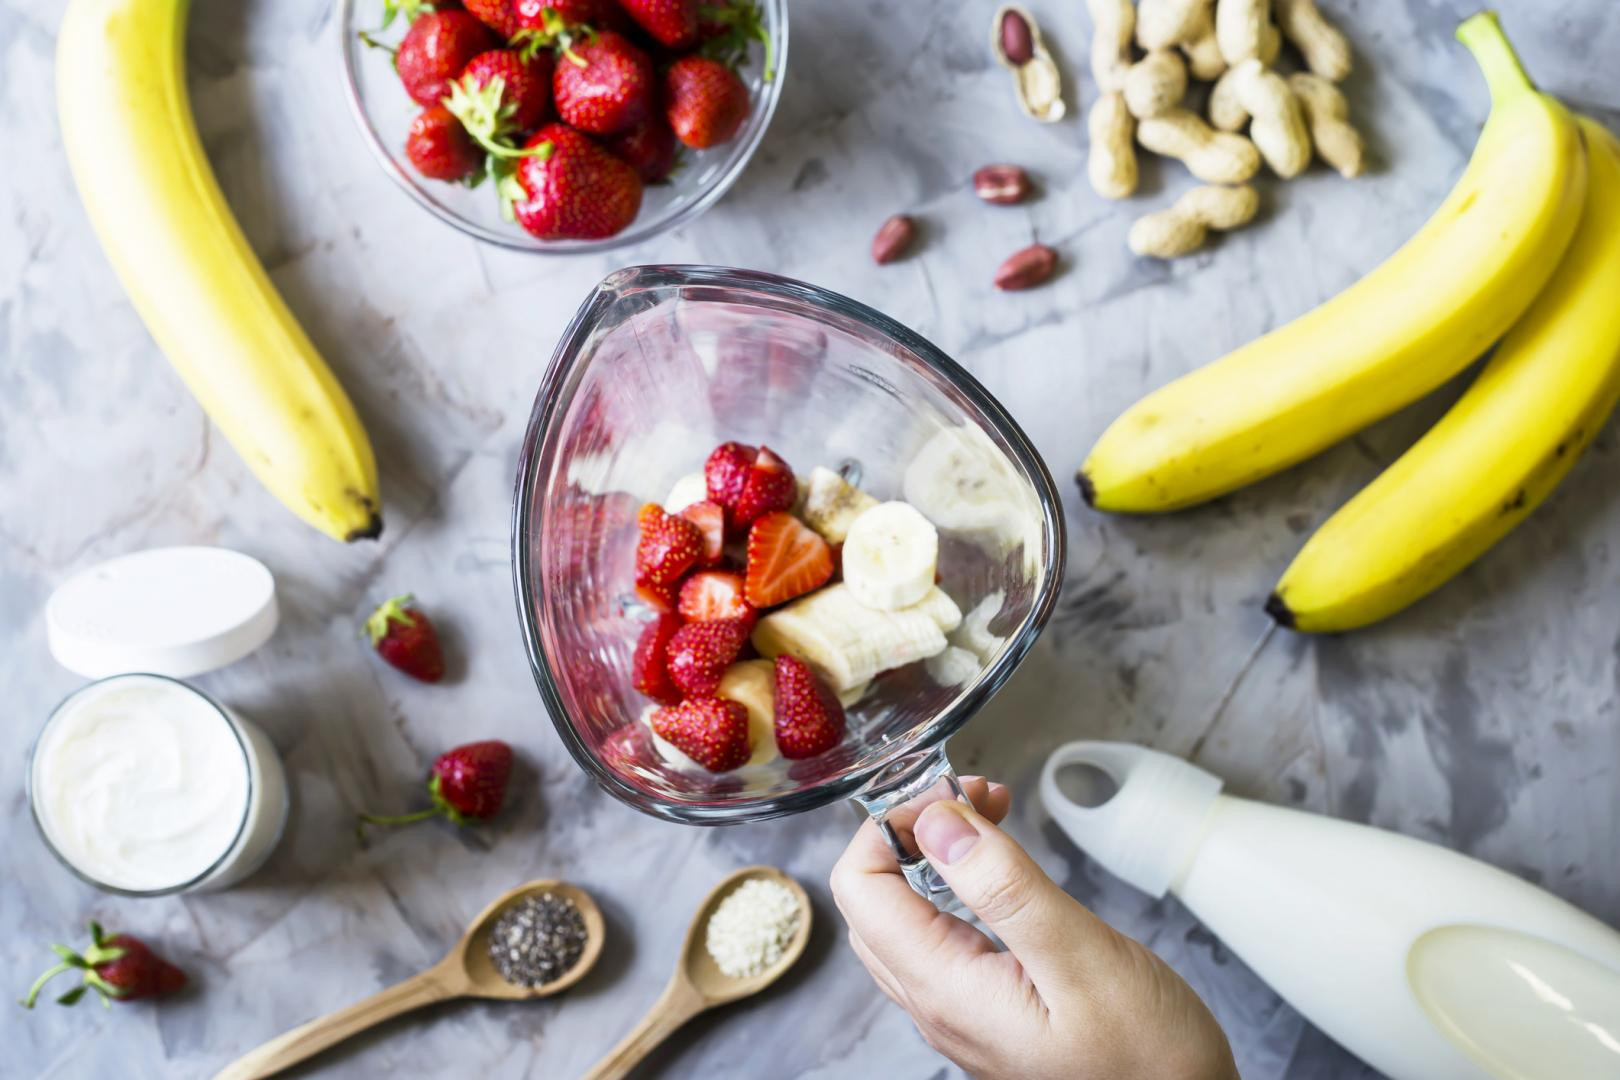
1496	454
1409	325
165	226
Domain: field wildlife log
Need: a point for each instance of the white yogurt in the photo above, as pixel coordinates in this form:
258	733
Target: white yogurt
144	785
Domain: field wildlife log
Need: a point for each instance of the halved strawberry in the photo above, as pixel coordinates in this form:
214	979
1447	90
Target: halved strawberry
715	596
711	731
727	470
700	652
668	547
649	672
786	558
767	487
809	720
710	518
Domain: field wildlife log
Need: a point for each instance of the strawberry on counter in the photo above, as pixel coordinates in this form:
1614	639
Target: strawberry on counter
119	968
468	784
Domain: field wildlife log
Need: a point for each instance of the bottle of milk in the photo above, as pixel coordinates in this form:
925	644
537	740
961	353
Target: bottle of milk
1423	962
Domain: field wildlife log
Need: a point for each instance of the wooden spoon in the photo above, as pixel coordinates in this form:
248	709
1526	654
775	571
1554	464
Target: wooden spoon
466	971
698	983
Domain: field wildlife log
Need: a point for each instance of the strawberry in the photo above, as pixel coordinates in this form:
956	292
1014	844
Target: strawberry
604	84
499	15
786	558
700	652
404	637
648	671
711	731
726	471
576	190
525	95
768	487
668	547
468	784
440	148
649	148
809	720
673	22
715	596
435	50
710	518
704	101
119	968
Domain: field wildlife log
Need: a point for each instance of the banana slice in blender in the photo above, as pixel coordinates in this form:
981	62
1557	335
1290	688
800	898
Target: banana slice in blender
846	643
890	556
830	504
689	489
752	683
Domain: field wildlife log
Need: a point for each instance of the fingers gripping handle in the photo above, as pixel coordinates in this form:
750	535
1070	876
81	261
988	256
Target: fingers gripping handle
895	798
1148	831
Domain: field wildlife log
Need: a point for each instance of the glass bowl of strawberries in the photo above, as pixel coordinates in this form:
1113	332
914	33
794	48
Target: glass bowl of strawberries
771	549
563	126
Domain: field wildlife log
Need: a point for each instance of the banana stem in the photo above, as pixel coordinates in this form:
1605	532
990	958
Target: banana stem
1482	35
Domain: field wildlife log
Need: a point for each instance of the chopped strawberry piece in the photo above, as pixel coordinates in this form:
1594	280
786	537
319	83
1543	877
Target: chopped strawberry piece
661	598
668	547
649	671
809	720
715	596
727	470
700	652
710	518
767	488
711	731
786	558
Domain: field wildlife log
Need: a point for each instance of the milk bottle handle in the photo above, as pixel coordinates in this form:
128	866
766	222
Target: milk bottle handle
1148	830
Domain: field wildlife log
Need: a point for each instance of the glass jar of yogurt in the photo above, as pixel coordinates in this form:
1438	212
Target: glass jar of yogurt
144	786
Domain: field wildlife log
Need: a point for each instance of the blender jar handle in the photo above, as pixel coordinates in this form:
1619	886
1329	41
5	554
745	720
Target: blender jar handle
901	792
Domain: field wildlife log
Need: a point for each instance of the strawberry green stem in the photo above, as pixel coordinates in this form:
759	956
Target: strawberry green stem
1504	73
365	36
39	983
400	819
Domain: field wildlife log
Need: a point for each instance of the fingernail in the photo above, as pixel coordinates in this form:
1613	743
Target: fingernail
944	834
996	789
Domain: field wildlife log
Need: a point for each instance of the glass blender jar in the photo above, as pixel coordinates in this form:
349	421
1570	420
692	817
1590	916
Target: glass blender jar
663	363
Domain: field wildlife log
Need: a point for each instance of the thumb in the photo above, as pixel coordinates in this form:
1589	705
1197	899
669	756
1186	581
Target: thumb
1043	926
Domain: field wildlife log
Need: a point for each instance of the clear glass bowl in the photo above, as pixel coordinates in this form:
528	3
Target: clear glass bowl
383	112
661	364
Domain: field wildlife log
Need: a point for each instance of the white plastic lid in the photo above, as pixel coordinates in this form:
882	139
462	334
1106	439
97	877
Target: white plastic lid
1145	833
176	611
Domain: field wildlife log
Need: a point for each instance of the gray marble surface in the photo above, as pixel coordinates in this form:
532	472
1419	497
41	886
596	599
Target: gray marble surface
1483	719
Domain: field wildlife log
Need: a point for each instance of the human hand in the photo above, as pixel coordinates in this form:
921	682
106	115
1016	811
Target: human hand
1070	997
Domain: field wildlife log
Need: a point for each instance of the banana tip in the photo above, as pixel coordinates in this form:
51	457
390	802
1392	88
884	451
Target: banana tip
369	531
1278	610
1088	490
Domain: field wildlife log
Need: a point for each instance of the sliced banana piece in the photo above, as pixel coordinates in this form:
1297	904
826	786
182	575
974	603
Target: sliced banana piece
830	504
954	667
752	683
890	556
962	482
846	643
689	489
851	697
974	634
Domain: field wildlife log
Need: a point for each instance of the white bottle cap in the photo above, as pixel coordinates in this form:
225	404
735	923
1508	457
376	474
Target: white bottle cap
176	611
1147	831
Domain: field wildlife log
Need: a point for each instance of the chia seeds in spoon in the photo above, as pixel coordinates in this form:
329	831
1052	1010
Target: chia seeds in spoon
536	941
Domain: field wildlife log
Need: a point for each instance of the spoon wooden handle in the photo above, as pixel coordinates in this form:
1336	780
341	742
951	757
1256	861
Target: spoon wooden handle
679	1002
284	1051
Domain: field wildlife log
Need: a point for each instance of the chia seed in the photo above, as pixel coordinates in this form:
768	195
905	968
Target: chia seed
537	940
